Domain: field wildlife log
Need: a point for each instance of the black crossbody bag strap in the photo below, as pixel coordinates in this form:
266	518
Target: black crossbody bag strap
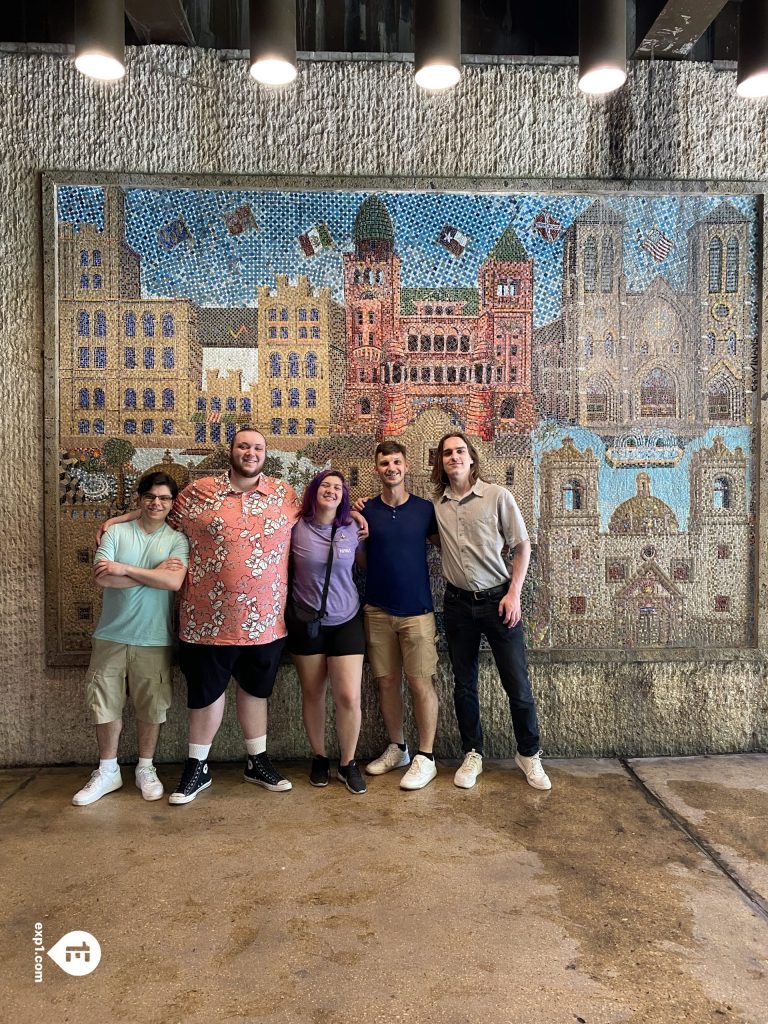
324	598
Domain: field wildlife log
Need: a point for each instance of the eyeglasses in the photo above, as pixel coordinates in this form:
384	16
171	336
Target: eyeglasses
165	498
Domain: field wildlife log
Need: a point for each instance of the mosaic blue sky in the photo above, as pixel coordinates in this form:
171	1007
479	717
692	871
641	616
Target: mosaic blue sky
216	268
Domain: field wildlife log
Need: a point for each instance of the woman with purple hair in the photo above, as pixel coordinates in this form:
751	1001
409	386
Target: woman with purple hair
326	638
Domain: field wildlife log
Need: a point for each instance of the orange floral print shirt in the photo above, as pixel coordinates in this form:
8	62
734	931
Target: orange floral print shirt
236	585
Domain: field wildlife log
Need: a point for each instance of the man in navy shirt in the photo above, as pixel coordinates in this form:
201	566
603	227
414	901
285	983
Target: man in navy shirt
399	617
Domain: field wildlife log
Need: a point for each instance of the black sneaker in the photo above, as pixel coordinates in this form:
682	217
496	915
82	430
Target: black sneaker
194	779
350	775
260	770
320	771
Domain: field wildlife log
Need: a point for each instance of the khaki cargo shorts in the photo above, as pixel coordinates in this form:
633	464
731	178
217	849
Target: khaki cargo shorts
147	672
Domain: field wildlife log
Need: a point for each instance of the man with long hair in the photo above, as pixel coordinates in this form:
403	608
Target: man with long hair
477	520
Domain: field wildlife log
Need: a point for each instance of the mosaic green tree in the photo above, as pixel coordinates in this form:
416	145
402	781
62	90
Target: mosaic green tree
117	454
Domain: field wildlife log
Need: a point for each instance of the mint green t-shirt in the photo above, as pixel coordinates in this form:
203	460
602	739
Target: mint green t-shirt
140	615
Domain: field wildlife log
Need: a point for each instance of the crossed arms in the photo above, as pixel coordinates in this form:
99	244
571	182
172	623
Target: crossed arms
168	575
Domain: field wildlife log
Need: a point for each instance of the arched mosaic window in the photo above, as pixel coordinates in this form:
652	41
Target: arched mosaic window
83	324
597	401
732	265
167	398
130	325
98	398
275	368
168	326
721	492
606	265
293	398
293	364
148	325
311	364
130	398
100	323
719	400
572	495
715	265
590	264
149	398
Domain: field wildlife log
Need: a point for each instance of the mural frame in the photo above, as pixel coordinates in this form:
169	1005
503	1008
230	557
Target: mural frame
57	655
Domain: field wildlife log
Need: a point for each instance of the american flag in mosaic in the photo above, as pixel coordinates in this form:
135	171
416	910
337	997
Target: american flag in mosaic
656	244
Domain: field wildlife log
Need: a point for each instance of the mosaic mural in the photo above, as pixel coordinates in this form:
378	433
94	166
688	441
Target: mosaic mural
600	349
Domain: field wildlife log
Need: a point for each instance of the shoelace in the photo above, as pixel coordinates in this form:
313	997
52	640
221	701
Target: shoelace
472	761
189	777
94	779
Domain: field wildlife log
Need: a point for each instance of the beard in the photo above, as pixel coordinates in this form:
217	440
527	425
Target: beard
250	470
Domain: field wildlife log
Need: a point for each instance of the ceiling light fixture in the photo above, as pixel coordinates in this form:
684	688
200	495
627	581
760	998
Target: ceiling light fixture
100	38
602	45
752	71
437	35
273	41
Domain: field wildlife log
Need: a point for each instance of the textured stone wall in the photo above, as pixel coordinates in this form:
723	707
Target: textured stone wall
182	112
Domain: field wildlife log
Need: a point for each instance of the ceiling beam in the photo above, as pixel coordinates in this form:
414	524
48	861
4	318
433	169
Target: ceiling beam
159	21
678	27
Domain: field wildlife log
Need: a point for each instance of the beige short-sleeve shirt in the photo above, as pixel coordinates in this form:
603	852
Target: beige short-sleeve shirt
474	530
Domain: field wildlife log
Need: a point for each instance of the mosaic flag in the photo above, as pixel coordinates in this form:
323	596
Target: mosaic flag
656	244
240	220
174	233
547	226
452	239
316	239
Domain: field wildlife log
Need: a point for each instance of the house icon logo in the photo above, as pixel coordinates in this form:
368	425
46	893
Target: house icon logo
76	953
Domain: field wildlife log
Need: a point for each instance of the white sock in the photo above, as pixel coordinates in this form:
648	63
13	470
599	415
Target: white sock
108	765
144	762
199	751
257	746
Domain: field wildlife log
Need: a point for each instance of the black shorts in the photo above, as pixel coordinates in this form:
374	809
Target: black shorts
208	668
333	641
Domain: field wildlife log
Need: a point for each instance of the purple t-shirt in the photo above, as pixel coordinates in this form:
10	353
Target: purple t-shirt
309	550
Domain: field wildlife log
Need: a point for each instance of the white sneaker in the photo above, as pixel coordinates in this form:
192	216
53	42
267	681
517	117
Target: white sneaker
533	770
393	757
147	781
99	784
470	768
420	774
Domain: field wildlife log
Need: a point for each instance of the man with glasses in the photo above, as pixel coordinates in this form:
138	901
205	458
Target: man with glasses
139	564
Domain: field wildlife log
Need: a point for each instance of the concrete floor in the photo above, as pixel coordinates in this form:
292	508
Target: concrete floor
498	905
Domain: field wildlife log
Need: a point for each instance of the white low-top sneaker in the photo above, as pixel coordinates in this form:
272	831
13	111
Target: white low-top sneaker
420	774
99	784
470	768
393	757
533	770
147	781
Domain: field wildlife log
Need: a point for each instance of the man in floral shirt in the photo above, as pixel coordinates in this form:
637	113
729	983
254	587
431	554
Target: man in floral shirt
239	531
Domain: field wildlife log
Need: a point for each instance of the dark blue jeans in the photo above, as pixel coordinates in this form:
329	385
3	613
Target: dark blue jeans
465	623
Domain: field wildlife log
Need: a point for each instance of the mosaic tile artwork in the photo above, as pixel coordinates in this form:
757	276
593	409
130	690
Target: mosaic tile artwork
599	349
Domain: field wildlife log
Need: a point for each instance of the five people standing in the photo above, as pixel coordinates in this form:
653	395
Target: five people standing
240	527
